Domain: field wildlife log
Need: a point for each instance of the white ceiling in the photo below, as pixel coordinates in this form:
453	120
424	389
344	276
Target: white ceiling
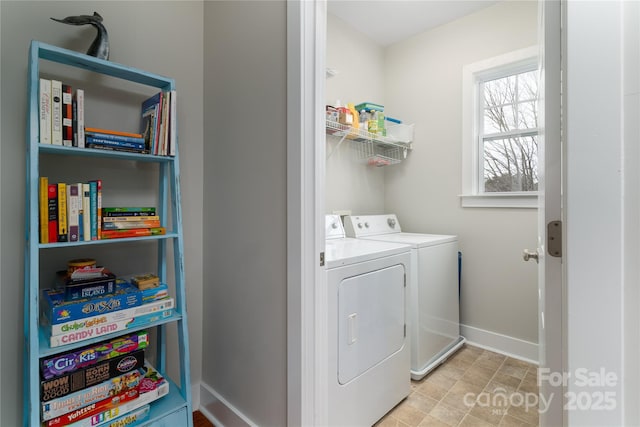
389	21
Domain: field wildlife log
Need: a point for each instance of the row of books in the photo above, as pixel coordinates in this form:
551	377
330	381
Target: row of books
72	212
62	122
158	125
69	212
109	383
61	114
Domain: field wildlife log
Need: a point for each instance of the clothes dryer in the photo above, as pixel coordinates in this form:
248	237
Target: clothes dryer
434	308
368	358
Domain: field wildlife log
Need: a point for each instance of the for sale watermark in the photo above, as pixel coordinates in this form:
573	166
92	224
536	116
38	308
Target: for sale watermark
597	393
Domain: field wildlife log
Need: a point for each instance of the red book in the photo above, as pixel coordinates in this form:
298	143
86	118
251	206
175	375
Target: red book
53	212
134	232
67	115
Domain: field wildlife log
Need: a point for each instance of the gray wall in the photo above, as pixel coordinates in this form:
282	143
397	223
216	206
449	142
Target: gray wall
351	185
162	37
245	322
424	85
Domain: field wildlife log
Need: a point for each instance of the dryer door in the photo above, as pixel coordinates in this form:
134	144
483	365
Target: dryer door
371	320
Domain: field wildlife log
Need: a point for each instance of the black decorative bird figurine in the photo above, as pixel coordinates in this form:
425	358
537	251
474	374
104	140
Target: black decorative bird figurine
100	46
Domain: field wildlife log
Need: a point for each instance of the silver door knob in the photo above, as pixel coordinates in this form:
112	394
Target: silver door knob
527	255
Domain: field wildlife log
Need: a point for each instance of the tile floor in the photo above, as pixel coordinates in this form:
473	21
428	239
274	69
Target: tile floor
475	387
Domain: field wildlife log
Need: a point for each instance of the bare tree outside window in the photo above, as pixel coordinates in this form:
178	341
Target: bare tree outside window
509	133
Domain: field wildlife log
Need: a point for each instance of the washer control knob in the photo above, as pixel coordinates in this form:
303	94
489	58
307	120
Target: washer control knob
334	225
391	222
359	225
366	224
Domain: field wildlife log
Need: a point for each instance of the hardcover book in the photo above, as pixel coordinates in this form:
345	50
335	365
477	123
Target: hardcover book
62	212
93	201
56	112
120	143
173	130
126	225
114	137
128	211
45	111
80	118
113	132
73	203
44	209
53	213
130	218
86	212
150	121
67	116
133	232
99	207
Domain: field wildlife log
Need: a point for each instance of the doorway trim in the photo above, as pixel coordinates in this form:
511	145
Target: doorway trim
306	23
306	46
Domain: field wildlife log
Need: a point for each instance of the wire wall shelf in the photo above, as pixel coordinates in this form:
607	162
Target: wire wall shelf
369	148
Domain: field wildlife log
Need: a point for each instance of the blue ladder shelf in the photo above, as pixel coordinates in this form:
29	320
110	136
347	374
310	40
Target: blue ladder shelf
176	407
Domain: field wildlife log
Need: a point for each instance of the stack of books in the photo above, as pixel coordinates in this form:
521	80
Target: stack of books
107	139
108	383
120	222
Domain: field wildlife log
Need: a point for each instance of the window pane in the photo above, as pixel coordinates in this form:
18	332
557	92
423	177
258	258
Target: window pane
499	119
527	115
511	164
500	91
528	85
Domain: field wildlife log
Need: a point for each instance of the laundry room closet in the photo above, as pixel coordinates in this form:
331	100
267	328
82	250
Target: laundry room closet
419	80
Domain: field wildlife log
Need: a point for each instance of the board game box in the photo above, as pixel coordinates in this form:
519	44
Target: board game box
68	383
92	395
109	328
55	309
92	354
114	316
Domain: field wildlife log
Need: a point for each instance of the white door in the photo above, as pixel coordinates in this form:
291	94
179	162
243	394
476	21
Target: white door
551	326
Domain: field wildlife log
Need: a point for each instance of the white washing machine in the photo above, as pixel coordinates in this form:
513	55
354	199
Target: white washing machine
434	307
368	359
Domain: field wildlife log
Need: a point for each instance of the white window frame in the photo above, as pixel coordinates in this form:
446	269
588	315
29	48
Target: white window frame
472	196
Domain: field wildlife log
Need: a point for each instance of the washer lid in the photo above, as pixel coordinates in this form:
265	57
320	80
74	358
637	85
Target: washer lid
341	252
416	240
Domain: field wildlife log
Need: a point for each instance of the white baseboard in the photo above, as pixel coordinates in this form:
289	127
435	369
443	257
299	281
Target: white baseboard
220	412
504	344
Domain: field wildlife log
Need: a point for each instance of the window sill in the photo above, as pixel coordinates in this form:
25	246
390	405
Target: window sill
500	200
